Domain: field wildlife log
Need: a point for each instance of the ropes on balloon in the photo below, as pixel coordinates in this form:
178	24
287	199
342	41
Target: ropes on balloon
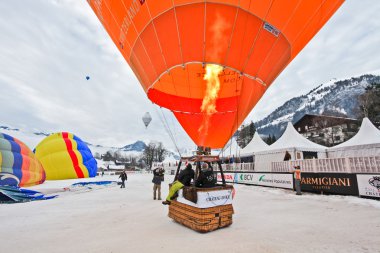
167	129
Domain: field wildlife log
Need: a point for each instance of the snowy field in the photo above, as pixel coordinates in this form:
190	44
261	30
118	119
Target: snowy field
110	219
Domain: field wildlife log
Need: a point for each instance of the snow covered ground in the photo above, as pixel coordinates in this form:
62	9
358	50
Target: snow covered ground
111	219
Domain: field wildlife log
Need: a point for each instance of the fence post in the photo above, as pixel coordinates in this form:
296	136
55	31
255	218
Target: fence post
347	165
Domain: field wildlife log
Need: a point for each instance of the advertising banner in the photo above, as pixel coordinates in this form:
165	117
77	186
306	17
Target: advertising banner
336	183
264	179
369	185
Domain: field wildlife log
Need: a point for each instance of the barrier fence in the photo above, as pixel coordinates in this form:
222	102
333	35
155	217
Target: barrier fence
369	164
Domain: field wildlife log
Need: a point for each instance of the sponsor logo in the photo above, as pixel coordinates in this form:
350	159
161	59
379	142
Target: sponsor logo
277	181
326	182
373	190
218	198
246	177
273	30
375	182
226	177
131	12
264	180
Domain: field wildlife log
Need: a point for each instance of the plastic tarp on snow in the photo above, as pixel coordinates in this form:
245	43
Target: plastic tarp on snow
255	145
365	143
11	194
290	141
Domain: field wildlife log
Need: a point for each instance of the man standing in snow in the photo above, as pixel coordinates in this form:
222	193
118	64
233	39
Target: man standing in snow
297	178
158	177
124	178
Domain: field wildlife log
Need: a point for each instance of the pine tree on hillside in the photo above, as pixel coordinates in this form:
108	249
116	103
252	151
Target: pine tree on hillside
246	134
270	139
369	103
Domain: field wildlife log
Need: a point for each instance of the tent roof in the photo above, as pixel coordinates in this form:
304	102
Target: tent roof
231	149
367	134
170	159
292	139
255	145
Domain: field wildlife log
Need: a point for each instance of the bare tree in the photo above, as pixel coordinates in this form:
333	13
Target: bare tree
160	152
154	152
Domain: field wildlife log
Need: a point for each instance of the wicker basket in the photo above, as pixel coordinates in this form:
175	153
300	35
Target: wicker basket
202	219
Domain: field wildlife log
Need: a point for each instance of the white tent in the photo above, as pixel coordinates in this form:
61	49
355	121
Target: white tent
255	145
231	149
365	143
290	141
170	160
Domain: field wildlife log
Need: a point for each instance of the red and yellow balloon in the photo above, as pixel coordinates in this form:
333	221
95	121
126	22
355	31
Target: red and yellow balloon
210	61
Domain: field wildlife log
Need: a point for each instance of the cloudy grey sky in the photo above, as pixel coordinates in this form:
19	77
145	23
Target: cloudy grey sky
48	47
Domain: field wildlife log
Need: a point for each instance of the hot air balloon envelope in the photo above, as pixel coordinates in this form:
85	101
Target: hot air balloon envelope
18	164
210	62
65	156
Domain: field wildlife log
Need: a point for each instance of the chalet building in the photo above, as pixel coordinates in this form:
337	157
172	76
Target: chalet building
327	130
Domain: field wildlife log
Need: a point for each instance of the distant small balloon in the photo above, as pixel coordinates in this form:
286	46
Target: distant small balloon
87	78
146	119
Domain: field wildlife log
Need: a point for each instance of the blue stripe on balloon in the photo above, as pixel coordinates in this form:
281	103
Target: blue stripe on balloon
88	159
17	165
15	146
17	157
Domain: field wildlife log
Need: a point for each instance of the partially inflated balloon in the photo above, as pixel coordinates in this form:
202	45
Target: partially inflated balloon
18	164
210	61
65	156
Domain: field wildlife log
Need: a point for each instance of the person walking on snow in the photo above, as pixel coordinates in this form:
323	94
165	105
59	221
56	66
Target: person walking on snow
124	178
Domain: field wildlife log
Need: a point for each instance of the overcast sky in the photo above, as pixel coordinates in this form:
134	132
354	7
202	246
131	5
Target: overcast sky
48	47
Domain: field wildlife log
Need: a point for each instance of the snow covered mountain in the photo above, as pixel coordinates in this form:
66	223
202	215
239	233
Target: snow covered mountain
137	146
335	98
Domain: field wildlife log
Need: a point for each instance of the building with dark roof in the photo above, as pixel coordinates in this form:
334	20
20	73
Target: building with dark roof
327	130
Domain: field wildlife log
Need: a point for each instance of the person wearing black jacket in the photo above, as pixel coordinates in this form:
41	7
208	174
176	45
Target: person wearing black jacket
124	178
207	178
184	179
158	177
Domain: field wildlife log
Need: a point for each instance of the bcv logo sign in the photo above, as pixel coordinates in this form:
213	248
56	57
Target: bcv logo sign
246	177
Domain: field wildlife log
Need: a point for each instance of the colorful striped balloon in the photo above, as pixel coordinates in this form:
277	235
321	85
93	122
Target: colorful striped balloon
65	156
17	160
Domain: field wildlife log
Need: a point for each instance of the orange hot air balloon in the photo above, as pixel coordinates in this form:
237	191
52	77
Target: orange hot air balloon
210	61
